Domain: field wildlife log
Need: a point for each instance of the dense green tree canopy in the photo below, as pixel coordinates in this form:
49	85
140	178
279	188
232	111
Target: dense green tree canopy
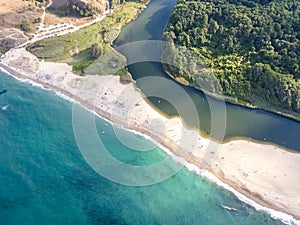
252	46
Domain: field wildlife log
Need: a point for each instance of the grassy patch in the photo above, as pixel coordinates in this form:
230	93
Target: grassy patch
109	63
112	62
125	76
49	49
111	35
79	67
75	48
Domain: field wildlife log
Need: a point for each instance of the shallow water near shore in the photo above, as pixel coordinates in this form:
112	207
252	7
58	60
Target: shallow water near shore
45	179
242	123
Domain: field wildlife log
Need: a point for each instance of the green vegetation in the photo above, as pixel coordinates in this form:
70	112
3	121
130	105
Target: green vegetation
111	35
112	62
85	9
37	20
26	26
251	47
56	47
95	51
38	3
115	3
82	48
77	8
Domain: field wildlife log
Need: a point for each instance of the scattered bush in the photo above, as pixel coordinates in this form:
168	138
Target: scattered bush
26	26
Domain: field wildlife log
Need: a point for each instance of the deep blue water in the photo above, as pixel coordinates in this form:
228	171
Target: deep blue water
44	178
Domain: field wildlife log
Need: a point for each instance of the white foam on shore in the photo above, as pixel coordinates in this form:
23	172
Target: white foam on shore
23	80
5	71
65	97
36	84
283	217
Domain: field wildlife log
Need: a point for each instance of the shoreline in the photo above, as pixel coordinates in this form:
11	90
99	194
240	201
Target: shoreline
285	218
235	101
222	169
235	138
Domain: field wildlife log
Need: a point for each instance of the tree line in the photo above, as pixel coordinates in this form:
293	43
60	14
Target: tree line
252	47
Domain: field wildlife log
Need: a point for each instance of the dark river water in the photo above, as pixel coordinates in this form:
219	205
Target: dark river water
47	179
215	118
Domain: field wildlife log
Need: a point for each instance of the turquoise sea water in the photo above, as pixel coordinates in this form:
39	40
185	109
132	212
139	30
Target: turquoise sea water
45	180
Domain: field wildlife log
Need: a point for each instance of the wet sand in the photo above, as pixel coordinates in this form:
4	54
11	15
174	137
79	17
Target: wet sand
265	173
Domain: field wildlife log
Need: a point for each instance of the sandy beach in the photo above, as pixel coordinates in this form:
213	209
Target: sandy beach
265	173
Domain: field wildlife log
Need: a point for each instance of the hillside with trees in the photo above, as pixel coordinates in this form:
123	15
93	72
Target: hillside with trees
251	47
86	48
81	8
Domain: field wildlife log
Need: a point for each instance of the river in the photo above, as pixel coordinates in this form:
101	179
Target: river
241	122
45	179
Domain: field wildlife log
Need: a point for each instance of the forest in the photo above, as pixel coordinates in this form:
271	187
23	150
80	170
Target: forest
250	49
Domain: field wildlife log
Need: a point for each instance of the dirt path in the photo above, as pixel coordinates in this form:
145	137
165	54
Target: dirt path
65	31
44	13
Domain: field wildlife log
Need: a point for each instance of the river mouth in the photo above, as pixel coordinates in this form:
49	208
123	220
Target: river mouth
241	122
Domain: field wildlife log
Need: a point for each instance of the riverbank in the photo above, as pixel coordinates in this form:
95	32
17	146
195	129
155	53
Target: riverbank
241	71
265	173
263	105
76	47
